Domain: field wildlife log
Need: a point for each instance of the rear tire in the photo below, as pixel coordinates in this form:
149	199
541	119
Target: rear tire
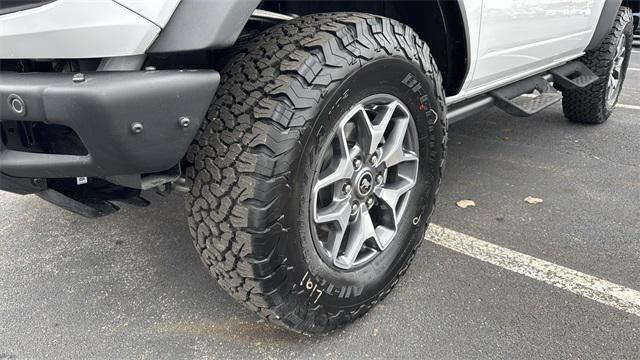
253	165
594	105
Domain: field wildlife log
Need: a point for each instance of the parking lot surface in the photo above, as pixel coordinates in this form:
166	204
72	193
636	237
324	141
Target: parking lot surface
131	285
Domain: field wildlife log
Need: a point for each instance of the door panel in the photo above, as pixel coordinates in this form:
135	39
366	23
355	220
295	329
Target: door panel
520	35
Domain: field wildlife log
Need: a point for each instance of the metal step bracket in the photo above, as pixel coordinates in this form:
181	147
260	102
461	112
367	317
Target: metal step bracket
574	75
526	97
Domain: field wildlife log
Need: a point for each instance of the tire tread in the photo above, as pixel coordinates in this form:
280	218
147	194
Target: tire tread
589	105
239	168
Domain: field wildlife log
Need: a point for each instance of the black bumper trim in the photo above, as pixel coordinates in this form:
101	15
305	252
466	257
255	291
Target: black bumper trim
21	186
101	110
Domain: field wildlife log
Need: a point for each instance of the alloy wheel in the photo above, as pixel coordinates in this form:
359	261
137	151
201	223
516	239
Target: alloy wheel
615	75
364	184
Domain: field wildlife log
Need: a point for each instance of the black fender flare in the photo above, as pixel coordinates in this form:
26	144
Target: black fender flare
204	24
607	17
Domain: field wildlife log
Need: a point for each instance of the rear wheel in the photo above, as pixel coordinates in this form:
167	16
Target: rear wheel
594	104
317	170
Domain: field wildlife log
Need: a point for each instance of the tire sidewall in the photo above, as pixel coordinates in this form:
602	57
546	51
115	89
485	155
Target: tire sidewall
312	280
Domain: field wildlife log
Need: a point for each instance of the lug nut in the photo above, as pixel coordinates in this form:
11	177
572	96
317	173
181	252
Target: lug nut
184	122
354	206
346	188
370	202
379	179
136	127
374	160
357	163
77	78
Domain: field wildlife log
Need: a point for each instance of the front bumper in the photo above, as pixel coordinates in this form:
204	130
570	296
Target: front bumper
103	110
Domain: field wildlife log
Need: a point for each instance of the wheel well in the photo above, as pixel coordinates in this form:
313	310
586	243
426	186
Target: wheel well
439	23
634	5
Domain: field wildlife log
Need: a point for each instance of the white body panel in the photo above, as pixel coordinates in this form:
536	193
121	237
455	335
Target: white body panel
472	16
157	11
507	39
75	29
518	38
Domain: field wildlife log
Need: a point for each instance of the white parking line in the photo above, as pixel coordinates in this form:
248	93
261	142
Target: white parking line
588	286
633	69
625	106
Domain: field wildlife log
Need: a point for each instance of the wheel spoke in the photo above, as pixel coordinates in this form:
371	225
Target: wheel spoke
621	47
392	151
618	63
611	87
362	229
338	213
344	169
392	193
396	155
373	131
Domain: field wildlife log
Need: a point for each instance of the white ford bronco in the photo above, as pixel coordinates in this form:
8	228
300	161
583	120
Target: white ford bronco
309	136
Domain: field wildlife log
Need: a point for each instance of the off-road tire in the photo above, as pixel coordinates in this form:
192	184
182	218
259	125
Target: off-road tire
589	105
249	169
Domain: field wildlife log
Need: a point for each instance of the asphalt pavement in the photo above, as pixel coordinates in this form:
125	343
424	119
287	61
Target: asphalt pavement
131	286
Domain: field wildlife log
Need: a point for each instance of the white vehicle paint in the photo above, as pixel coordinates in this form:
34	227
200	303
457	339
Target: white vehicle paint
515	39
520	35
507	39
75	29
157	11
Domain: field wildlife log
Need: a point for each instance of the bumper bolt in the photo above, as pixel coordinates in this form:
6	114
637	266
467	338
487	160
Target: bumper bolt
78	78
379	179
346	188
37	181
370	202
17	104
184	122
136	127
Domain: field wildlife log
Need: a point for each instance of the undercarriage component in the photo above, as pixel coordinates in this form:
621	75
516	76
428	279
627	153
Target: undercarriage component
94	199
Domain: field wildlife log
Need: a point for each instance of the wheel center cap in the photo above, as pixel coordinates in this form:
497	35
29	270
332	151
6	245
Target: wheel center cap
365	183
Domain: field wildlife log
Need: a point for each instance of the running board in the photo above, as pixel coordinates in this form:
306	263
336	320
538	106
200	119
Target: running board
528	96
511	100
574	75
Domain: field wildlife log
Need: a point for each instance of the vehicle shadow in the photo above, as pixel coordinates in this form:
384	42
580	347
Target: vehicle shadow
210	311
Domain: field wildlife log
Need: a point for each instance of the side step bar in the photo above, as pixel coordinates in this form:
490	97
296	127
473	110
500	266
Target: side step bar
574	75
511	100
529	96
